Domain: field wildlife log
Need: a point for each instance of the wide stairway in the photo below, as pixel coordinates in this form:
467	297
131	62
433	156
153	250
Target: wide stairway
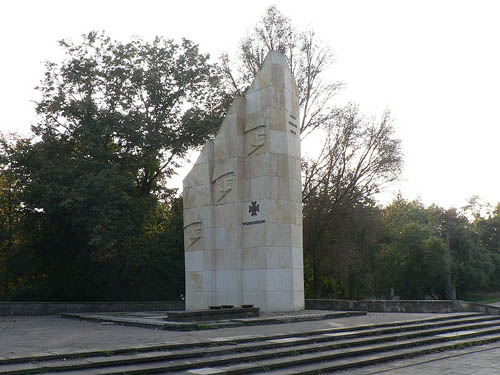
312	352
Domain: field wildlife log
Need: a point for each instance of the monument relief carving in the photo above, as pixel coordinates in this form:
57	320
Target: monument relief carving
256	138
193	233
224	185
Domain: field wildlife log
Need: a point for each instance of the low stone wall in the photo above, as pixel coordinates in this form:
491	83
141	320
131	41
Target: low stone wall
405	306
211	315
52	308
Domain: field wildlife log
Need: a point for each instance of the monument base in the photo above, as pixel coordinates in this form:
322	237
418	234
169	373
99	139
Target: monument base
212	315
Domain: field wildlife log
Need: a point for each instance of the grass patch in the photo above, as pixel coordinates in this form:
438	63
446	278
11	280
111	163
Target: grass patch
485	298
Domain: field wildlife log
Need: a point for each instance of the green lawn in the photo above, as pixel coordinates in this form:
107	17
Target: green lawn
483	298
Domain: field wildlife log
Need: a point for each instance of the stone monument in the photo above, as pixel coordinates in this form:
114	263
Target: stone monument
242	202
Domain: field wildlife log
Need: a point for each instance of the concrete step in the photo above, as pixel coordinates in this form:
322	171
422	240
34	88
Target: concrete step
322	365
355	357
185	359
397	325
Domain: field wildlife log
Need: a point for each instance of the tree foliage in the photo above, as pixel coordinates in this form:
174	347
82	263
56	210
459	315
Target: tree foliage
131	99
341	262
412	255
400	250
114	120
357	158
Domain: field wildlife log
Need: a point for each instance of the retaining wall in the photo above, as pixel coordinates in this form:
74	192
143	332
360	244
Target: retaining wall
405	306
52	308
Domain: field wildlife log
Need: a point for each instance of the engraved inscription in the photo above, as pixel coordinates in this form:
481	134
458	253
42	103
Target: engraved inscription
291	123
254	222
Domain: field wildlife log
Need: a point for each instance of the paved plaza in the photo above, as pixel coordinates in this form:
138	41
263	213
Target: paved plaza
25	335
32	336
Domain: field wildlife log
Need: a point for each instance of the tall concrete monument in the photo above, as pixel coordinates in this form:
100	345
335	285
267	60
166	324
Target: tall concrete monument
242	202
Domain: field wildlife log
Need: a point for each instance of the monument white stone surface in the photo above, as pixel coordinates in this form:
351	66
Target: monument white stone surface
242	202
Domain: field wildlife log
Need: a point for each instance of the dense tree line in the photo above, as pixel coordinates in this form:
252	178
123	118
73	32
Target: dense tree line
407	250
85	213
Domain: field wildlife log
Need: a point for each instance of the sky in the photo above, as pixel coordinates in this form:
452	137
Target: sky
434	64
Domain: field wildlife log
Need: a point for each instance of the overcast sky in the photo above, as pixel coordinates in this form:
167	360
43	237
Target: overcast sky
434	64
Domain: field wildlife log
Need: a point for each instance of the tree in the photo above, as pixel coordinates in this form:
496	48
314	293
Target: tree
412	256
358	157
342	264
471	264
114	122
309	60
10	211
131	98
9	197
489	229
489	237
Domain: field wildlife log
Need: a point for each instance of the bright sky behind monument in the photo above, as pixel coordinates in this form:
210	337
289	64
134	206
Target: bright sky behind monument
434	64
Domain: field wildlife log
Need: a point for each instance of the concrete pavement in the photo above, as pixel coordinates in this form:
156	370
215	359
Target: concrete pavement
35	334
32	336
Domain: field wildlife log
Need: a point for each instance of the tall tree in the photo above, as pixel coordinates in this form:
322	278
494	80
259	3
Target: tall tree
131	99
414	239
115	119
342	263
310	62
10	210
489	236
358	157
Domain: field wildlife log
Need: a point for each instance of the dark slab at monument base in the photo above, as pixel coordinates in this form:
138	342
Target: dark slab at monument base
212	315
